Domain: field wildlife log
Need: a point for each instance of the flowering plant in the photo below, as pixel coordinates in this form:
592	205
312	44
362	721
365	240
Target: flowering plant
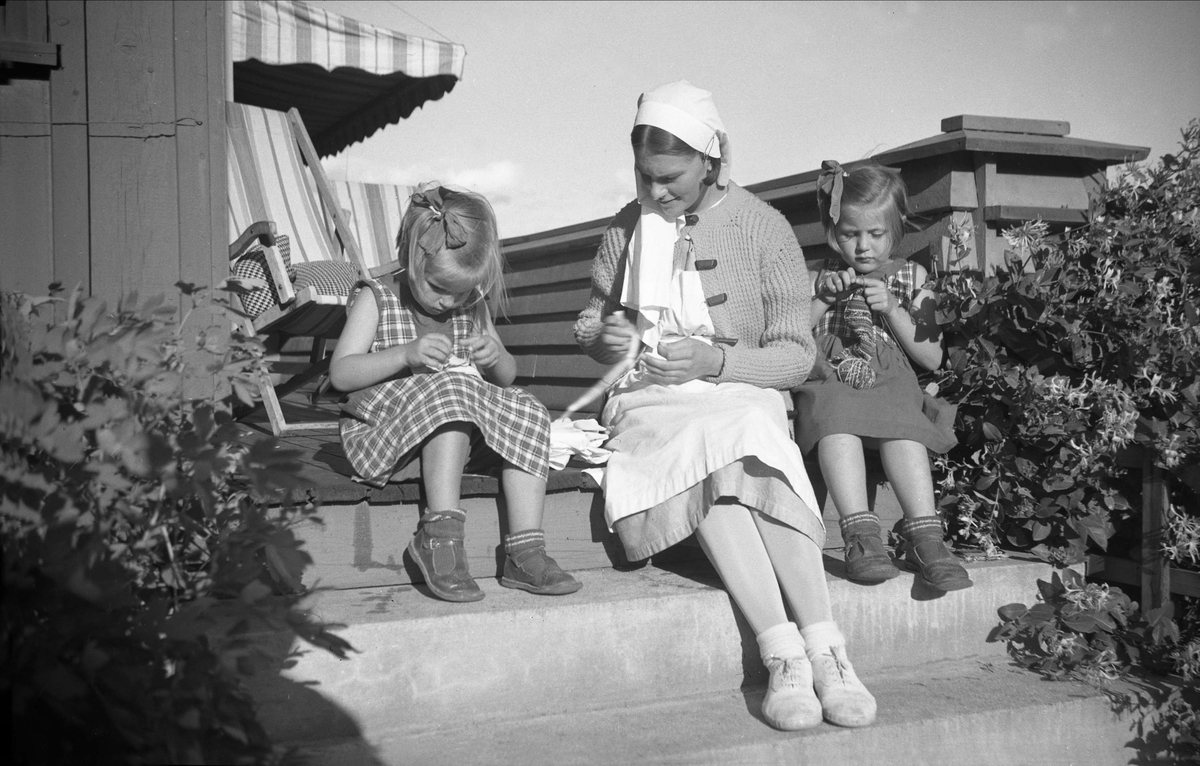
1078	355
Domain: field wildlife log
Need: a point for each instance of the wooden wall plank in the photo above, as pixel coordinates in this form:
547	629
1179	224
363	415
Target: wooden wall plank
1006	125
131	67
963	194
25	239
565	366
578	271
68	83
26	253
71	207
537	334
1030	190
928	184
23	20
216	18
134	215
558	398
194	120
134	178
69	146
985	182
24	107
550	302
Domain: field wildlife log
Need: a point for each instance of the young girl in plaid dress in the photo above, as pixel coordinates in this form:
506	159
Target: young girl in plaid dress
872	320
427	370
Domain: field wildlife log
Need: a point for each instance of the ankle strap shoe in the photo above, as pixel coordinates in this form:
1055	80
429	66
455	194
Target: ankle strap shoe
443	563
532	570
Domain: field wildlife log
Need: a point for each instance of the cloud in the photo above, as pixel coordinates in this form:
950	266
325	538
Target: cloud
498	179
522	206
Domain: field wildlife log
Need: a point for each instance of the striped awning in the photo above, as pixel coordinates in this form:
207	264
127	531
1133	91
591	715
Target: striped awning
348	79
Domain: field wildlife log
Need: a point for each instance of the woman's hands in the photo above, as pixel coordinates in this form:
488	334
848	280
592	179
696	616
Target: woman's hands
683	360
616	335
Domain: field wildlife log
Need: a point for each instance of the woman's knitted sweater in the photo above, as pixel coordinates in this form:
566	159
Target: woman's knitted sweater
755	279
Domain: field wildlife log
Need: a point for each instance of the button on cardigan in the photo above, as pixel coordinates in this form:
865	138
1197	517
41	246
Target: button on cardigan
760	270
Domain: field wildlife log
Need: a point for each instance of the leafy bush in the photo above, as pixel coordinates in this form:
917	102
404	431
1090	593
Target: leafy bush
139	548
1087	630
1074	367
1083	351
1094	633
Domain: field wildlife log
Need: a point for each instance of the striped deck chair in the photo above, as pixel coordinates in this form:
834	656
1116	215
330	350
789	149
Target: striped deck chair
291	248
372	213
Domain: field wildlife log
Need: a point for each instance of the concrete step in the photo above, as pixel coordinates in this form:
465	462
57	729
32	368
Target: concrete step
960	712
627	638
361	544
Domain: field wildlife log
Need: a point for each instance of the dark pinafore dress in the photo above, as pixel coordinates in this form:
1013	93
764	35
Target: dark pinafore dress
895	407
383	426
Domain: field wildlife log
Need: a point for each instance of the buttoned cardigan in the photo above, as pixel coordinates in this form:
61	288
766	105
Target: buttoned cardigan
755	282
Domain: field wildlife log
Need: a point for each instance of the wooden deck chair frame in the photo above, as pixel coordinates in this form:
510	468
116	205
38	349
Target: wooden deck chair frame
306	313
373	213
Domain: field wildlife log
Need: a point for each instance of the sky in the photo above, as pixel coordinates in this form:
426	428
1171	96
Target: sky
540	121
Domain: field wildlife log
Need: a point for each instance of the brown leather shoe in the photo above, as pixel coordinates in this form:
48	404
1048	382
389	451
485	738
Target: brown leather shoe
532	570
437	549
925	552
867	560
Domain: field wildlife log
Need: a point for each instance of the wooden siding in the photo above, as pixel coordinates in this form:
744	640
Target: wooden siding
549	284
113	162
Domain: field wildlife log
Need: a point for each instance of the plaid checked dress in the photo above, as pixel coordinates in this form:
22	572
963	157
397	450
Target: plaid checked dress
895	406
383	426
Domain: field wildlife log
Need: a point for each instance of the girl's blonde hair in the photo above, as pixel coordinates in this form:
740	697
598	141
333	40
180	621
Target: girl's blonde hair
868	187
446	223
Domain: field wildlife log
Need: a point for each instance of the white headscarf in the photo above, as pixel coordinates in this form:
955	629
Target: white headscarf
688	113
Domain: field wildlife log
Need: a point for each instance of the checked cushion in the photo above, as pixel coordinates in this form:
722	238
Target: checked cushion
334	278
251	268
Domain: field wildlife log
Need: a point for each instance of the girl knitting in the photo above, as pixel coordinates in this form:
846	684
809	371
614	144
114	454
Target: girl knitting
421	355
872	320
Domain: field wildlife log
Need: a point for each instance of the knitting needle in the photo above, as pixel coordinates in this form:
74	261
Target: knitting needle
608	379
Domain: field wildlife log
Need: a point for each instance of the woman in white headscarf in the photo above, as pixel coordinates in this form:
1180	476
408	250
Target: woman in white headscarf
708	283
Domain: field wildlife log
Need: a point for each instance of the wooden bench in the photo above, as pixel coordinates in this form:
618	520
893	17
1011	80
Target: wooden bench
549	279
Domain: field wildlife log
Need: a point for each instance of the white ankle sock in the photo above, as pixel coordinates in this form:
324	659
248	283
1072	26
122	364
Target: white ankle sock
821	636
782	640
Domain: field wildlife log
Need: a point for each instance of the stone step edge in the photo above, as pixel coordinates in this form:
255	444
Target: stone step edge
687	625
345	605
926	712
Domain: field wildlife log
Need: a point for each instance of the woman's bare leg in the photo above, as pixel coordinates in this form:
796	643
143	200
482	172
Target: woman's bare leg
733	544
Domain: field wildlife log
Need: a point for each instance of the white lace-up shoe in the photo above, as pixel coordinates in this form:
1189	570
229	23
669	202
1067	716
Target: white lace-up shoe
791	703
844	699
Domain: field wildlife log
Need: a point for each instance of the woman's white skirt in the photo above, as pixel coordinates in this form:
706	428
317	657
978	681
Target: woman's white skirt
678	450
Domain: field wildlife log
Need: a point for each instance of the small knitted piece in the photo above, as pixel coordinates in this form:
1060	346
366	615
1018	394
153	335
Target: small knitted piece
855	371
